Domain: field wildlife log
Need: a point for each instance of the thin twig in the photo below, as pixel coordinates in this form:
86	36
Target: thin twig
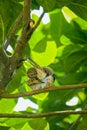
50	89
39	20
30	32
13	31
74	125
56	113
34	63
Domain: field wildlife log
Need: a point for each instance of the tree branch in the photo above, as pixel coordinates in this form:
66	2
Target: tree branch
50	89
13	31
30	32
27	31
39	20
56	113
3	56
22	40
13	61
26	13
3	62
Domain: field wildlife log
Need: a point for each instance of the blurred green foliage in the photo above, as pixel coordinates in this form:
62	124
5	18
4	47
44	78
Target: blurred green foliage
60	44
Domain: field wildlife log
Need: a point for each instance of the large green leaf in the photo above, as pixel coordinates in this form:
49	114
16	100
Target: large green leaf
75	34
41	45
63	32
48	5
38	124
9	11
36	39
4	128
82	124
79	7
34	5
75	60
62	3
47	57
73	78
57	25
82	23
7	105
26	126
15	123
16	80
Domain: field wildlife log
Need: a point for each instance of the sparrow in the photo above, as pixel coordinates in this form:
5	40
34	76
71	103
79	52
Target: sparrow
40	77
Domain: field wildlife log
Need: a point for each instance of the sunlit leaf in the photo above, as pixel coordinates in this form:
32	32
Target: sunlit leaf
7	105
47	57
38	124
26	127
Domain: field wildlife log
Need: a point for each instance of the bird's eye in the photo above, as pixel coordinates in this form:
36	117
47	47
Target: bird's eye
54	76
47	74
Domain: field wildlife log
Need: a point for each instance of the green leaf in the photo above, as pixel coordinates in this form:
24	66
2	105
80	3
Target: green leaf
41	96
82	23
62	3
48	5
17	0
7	105
47	57
73	78
58	26
26	127
9	11
34	4
16	123
41	46
75	60
79	36
68	50
12	128
4	128
79	7
38	124
15	83
82	124
36	38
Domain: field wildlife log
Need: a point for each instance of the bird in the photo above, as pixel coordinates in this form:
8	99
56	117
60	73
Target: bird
40	77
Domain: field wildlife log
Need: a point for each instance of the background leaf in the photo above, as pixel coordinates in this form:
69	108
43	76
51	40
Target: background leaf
61	44
9	11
